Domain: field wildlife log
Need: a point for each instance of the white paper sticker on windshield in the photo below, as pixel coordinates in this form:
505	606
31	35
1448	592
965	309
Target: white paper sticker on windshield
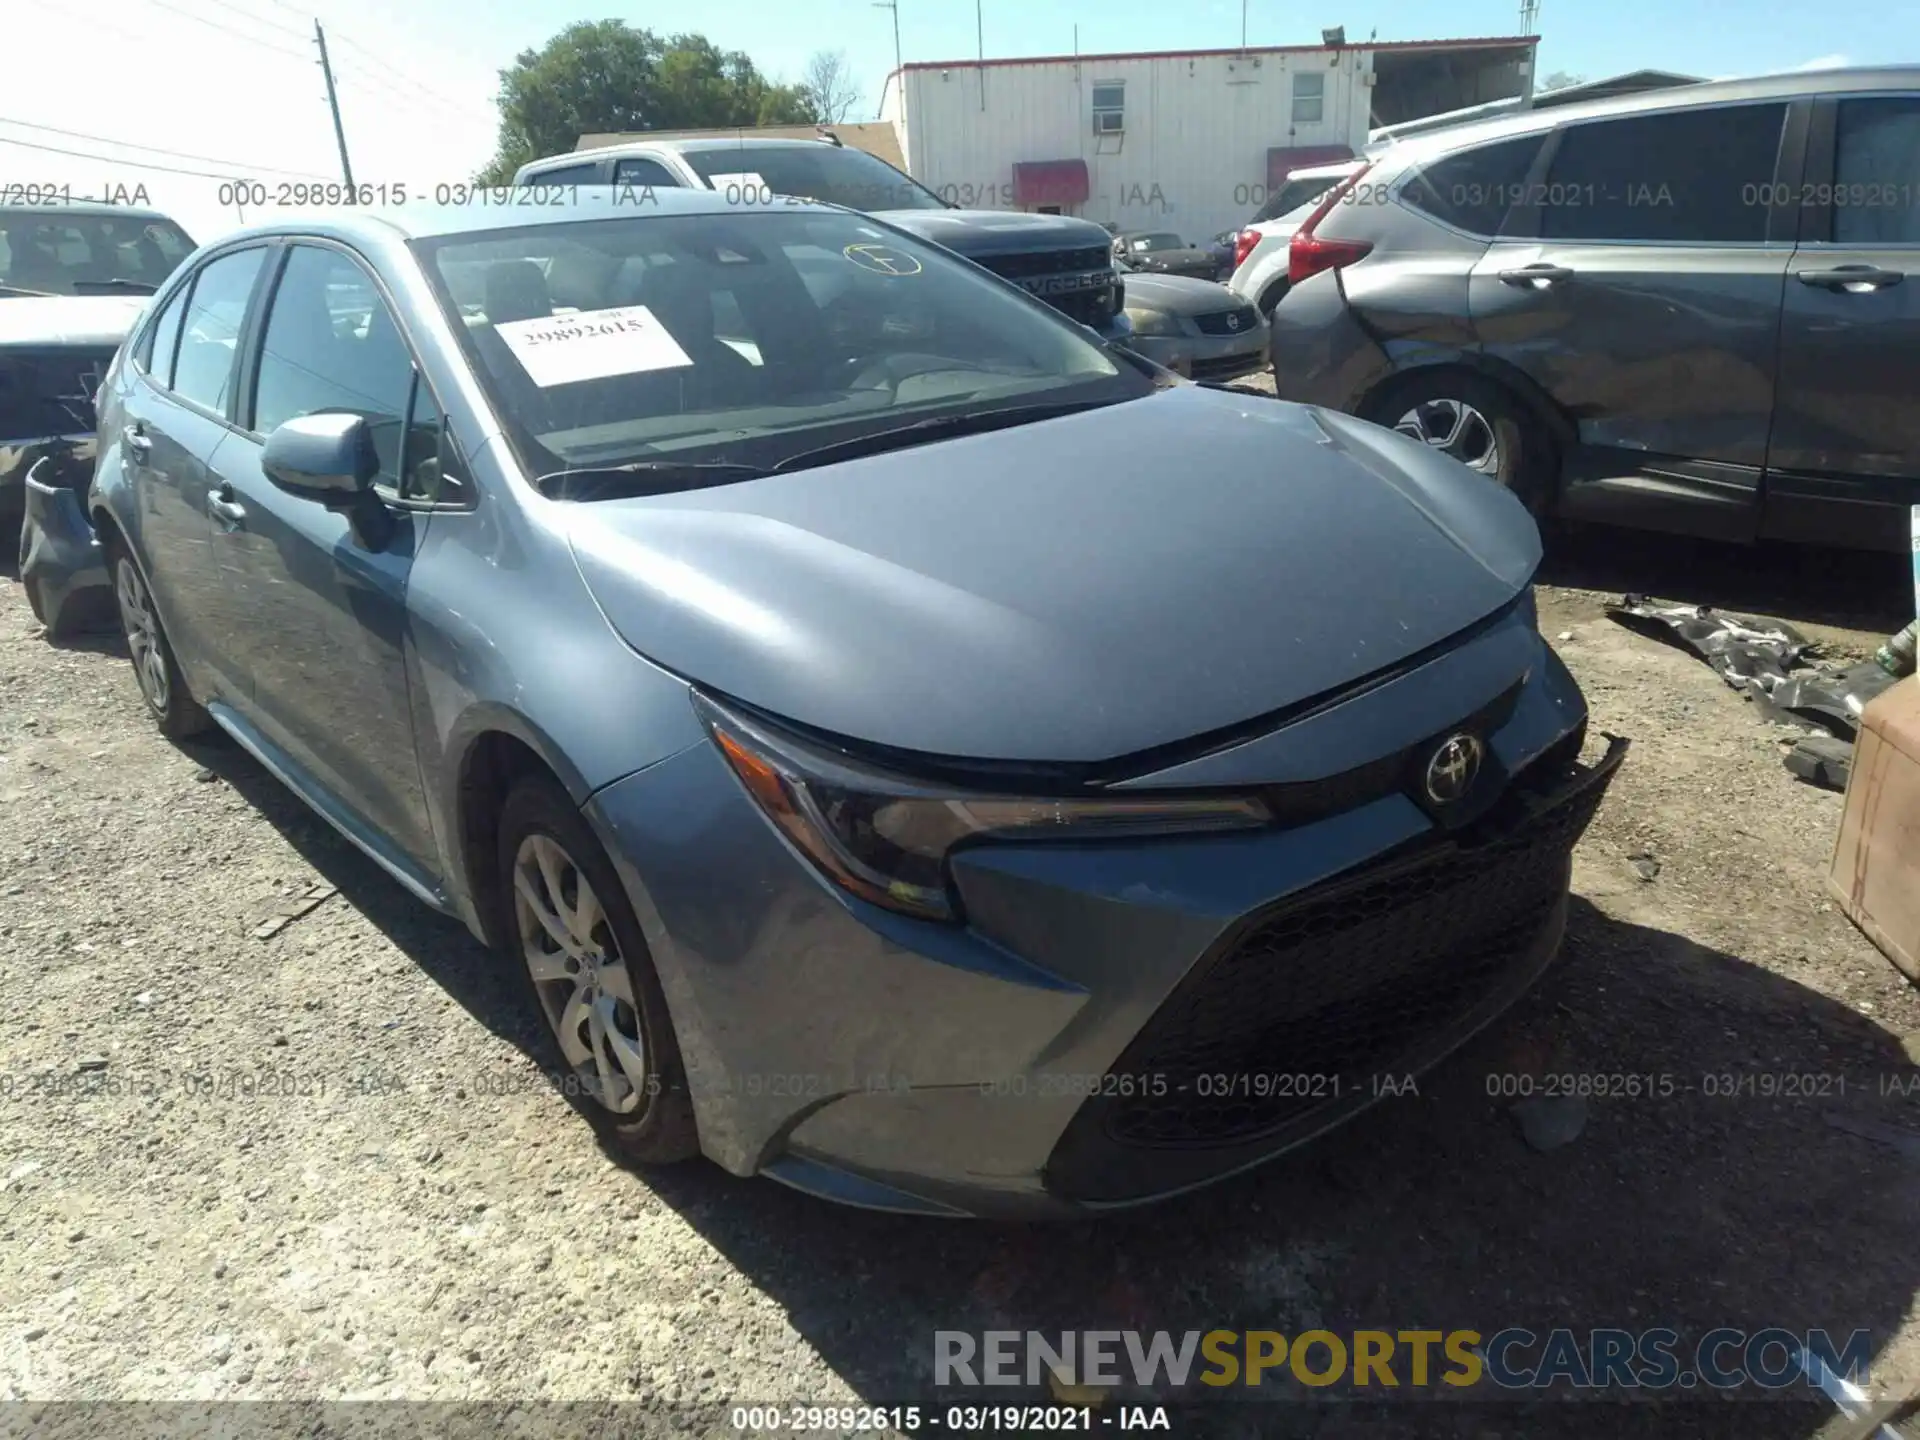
742	187
592	344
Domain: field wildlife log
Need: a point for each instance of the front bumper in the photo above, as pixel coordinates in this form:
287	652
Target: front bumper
62	565
996	1068
1209	359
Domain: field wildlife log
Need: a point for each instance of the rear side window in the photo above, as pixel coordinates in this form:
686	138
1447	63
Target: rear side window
1474	189
566	175
1876	189
203	371
1291	196
162	338
1693	175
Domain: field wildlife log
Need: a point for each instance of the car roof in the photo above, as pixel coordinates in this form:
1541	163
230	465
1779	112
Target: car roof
85	207
500	210
1330	171
1790	86
697	143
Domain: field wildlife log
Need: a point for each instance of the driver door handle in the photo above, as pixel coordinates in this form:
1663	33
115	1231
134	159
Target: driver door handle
1538	277
1851	278
138	444
224	508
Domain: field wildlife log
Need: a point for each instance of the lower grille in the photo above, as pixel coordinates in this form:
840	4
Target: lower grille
1089	307
1307	1003
1240	321
1225	368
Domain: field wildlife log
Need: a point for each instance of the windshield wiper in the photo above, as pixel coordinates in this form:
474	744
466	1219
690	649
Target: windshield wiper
943	427
23	292
91	287
643	477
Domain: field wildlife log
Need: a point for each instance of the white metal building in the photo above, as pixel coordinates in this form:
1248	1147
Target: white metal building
1187	141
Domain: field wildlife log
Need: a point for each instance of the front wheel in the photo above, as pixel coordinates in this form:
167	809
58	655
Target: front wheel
578	943
1480	424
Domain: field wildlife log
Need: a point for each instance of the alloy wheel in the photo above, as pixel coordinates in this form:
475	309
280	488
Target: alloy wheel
1455	428
579	974
143	635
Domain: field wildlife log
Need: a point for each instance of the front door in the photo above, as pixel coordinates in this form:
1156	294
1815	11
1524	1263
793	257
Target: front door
1845	460
325	599
1639	285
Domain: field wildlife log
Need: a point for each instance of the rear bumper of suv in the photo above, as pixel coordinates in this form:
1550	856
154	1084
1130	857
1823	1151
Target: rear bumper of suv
1321	354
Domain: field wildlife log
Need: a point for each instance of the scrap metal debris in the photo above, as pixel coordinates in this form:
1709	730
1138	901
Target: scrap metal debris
1777	668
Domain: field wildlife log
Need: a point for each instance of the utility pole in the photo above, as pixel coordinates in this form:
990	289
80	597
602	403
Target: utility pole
894	6
333	103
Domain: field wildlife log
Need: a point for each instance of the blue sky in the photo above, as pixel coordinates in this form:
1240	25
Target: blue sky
233	83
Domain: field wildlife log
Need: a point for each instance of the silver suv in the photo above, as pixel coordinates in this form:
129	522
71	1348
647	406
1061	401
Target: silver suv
1694	310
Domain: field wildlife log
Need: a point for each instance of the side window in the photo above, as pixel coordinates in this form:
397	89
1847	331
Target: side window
638	170
210	334
567	175
430	470
1690	175
331	345
1875	198
1474	189
162	337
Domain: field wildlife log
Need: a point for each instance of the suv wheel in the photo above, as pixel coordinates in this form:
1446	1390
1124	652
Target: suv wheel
580	947
1477	422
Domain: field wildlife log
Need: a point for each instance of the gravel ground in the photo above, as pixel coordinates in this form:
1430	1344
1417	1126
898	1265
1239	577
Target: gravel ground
244	1155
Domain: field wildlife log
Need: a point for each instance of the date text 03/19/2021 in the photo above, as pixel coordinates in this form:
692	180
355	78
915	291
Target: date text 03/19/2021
840	1420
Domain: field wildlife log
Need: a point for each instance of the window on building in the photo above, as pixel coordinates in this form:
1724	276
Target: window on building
1690	175
1109	107
1309	97
1875	201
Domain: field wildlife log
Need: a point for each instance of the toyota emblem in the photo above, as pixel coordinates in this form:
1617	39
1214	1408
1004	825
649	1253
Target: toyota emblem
1453	768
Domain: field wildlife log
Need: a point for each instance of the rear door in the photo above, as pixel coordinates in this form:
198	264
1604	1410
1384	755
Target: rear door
175	415
1639	284
325	599
1844	464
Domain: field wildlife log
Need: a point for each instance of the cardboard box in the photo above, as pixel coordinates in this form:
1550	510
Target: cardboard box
1876	863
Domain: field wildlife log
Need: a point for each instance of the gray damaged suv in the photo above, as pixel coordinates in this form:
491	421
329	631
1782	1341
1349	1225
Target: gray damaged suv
1695	310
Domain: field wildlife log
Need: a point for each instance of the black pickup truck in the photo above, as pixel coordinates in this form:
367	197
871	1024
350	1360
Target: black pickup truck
1062	260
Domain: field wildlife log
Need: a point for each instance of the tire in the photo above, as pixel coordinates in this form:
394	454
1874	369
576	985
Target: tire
634	1092
1480	423
155	670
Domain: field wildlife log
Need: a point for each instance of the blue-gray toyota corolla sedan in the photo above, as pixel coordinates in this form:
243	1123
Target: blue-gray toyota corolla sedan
911	750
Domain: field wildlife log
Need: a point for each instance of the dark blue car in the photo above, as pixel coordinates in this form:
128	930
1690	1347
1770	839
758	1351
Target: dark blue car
910	750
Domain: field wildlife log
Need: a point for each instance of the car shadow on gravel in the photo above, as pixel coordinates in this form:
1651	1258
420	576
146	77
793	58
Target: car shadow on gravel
1717	1193
1850	589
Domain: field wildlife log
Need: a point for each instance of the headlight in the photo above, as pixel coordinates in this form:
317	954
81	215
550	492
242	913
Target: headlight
886	838
1153	322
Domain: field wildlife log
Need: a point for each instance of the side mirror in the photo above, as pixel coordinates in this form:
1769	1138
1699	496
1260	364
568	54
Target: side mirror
328	458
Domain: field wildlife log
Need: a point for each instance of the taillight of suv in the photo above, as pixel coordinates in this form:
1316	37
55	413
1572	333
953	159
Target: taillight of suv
1243	244
1309	254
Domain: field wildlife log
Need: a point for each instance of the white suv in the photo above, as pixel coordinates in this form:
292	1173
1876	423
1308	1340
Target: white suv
1260	255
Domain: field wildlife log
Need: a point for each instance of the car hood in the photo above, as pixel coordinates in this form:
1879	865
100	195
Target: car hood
1074	590
979	233
1179	294
68	319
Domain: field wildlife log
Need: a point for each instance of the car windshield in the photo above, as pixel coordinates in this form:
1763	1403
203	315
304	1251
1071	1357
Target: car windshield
833	173
749	337
44	252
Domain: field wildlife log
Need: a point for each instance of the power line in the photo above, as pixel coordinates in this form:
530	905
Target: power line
160	150
260	19
414	89
118	160
229	30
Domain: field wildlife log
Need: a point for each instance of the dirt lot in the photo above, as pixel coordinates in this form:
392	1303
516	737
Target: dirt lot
318	1163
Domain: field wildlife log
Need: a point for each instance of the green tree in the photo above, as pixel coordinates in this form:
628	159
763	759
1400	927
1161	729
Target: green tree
605	75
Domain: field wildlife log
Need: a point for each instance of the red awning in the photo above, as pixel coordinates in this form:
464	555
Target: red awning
1051	182
1280	161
